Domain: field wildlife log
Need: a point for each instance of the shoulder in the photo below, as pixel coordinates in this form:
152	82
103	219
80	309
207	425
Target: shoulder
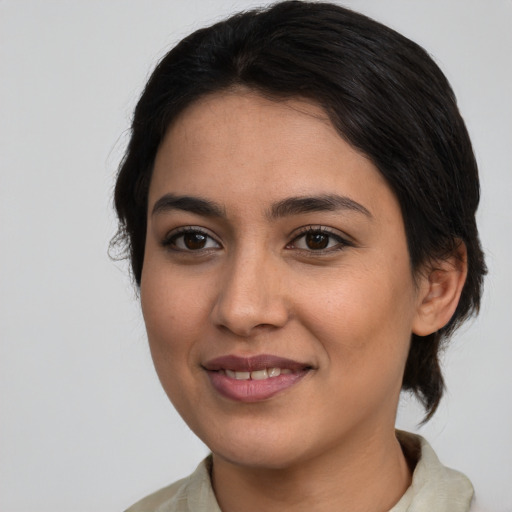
153	501
191	494
434	486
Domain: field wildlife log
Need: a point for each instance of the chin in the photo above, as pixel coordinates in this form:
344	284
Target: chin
257	456
269	448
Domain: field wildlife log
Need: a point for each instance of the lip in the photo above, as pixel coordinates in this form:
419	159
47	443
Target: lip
251	391
254	363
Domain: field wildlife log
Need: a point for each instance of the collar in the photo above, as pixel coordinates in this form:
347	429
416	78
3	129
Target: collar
434	487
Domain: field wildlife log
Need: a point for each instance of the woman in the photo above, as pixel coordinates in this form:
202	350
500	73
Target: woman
298	198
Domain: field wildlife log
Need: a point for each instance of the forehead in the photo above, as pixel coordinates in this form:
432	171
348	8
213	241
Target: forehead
261	149
230	121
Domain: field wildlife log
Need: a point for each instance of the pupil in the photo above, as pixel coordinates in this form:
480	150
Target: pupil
194	241
317	240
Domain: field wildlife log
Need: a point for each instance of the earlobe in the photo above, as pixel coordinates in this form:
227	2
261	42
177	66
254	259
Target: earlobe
440	291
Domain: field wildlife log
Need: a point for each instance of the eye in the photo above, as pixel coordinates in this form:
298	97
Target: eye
318	239
190	239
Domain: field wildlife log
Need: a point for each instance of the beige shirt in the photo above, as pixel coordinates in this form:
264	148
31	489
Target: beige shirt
434	487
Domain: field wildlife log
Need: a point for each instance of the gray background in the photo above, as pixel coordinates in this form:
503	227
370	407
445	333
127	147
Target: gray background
84	425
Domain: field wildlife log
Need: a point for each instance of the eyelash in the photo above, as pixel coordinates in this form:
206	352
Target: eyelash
170	241
341	243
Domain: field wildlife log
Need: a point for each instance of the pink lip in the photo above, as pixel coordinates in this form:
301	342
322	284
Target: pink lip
253	390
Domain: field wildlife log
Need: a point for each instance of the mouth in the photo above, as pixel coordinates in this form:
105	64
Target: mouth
254	379
265	373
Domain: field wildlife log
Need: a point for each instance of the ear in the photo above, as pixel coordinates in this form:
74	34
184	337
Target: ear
439	291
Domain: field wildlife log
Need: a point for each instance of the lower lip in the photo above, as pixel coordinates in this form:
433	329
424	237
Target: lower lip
253	390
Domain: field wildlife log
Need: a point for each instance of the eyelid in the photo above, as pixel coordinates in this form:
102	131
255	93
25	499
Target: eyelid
343	239
183	230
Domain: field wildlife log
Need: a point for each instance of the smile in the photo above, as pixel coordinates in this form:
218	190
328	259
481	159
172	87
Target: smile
266	373
254	379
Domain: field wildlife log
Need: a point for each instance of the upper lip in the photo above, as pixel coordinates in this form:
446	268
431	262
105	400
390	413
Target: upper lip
253	363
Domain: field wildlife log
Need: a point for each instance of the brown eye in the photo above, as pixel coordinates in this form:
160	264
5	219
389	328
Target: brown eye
194	241
317	241
190	240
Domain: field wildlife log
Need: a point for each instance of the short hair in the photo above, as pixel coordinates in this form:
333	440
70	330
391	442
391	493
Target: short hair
384	95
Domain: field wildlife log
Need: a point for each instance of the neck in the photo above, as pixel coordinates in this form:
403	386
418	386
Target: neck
368	476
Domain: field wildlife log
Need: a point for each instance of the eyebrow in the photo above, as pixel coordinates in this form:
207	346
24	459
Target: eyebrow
323	203
284	208
197	205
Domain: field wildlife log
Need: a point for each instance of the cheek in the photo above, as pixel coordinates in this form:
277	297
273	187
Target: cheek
173	319
172	315
363	318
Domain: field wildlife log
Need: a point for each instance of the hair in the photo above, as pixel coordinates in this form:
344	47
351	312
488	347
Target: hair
384	95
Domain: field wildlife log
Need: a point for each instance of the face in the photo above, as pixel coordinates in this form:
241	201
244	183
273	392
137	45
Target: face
276	289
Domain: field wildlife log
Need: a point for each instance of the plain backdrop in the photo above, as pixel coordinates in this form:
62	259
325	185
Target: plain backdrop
84	425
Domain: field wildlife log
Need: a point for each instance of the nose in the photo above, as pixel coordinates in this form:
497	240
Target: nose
251	296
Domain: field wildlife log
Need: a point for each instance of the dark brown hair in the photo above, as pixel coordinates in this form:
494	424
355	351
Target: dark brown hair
382	92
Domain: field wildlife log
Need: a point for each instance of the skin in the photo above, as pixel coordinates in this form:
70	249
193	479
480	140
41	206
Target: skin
258	285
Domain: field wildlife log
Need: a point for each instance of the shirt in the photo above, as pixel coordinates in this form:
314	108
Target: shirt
434	487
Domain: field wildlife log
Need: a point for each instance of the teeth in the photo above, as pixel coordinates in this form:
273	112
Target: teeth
258	374
274	372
